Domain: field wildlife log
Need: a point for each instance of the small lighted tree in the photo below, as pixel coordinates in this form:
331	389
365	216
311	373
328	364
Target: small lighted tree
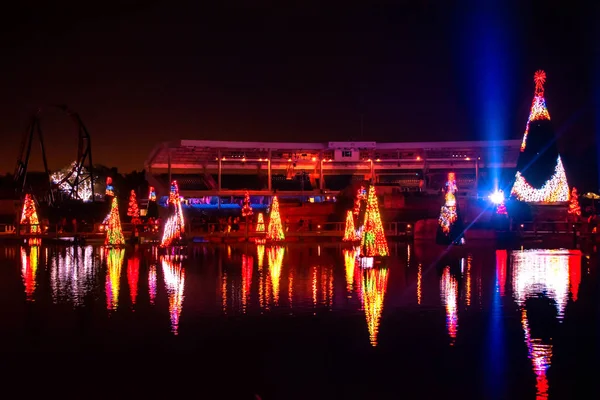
260	223
247	207
246	210
574	208
275	229
175	224
349	233
114	233
133	210
450	224
501	209
374	242
29	215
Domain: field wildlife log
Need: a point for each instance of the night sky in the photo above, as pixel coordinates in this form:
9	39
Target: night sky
143	72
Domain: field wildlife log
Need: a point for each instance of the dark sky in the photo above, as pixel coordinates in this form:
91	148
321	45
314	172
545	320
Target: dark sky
143	72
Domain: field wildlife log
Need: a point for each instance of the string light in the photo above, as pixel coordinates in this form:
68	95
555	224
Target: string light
110	190
449	212
114	234
151	194
275	229
349	233
539	111
247	208
175	224
374	242
66	180
556	189
501	209
360	196
574	207
133	210
29	215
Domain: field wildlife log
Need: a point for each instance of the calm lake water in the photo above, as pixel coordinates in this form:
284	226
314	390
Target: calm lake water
304	321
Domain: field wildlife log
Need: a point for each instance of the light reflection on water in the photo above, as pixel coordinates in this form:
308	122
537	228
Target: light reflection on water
72	274
237	281
539	275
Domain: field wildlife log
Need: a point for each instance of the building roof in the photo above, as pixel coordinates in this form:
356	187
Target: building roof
192	152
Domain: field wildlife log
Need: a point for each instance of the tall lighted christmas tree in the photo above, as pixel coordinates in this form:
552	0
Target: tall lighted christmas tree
540	177
29	215
275	229
450	228
114	234
175	223
574	208
374	242
349	233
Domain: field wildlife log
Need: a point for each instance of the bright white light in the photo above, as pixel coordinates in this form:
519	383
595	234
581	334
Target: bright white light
84	188
497	197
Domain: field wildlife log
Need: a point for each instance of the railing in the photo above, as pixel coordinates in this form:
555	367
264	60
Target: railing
325	229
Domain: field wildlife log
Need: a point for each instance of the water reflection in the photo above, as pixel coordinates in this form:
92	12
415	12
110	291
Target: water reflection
114	263
542	280
374	286
275	258
152	283
133	274
247	269
302	280
72	274
29	265
449	294
174	276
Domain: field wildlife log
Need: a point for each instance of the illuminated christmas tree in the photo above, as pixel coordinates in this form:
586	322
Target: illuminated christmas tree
275	229
260	223
349	233
133	210
29	215
540	177
374	242
450	227
114	234
247	208
175	224
501	209
574	208
110	190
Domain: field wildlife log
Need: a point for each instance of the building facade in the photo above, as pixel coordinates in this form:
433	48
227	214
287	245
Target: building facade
223	168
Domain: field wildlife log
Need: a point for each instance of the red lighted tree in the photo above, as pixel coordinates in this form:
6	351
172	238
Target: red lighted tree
574	208
374	242
247	207
133	210
350	233
29	215
275	229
